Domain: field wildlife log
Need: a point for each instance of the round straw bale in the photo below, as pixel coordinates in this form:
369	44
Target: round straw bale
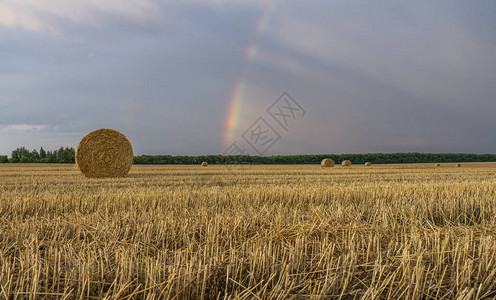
204	164
104	153
437	165
346	163
368	164
458	165
327	163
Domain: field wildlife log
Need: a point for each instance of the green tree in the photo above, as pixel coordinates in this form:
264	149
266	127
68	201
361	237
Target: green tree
18	153
34	156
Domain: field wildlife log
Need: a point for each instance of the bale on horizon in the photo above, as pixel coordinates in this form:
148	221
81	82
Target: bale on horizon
458	165
346	163
204	164
437	165
104	153
368	164
327	163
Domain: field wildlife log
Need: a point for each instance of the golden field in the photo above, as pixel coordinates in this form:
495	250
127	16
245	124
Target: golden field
261	232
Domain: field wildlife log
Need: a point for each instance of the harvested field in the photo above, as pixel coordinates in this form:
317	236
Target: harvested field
286	232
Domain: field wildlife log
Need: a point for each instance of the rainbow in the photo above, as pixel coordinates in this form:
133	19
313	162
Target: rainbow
134	110
233	112
236	96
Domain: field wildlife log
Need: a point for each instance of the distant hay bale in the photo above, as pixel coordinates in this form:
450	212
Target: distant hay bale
204	164
346	163
437	165
458	165
104	153
327	163
368	164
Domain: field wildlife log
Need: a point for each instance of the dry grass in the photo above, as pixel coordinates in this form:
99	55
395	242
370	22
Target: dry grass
104	153
270	232
346	163
327	163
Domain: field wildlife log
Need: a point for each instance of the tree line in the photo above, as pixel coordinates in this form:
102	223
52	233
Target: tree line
67	155
375	158
23	155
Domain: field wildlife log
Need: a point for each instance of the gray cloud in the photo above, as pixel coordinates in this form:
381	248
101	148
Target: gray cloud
395	76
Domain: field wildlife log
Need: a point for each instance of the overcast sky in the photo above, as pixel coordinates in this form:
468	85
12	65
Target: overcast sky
371	76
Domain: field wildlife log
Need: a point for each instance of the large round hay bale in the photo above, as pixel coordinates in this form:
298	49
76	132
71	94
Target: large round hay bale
327	163
104	153
458	165
437	165
368	164
204	164
346	163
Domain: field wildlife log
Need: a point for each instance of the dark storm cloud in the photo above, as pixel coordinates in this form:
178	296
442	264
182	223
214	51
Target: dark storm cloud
391	77
394	76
